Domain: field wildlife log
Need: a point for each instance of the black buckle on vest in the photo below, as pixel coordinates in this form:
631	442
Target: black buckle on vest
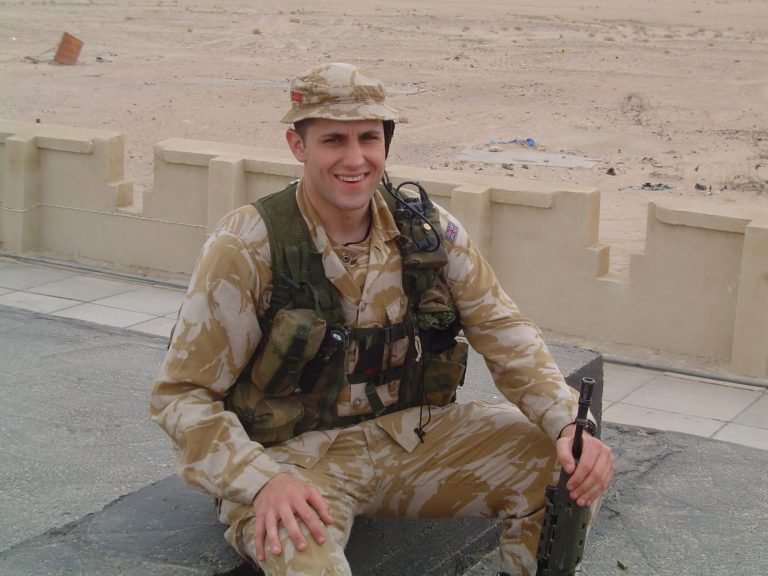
335	339
371	336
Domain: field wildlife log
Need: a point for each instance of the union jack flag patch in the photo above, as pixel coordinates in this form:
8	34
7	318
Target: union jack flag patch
451	231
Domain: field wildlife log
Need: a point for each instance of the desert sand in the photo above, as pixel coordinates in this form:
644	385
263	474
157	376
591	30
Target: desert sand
669	93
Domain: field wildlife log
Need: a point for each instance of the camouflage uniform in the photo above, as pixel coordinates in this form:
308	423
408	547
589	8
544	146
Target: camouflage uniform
476	458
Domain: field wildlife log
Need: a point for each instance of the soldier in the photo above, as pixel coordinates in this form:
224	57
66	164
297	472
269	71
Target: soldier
312	371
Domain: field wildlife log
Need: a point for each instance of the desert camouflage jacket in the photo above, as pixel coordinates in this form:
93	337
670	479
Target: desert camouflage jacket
218	331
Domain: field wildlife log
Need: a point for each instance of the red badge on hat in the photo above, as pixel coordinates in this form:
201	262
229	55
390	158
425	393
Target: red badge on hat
297	97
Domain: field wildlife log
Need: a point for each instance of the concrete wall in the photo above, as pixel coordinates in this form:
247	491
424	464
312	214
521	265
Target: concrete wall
700	287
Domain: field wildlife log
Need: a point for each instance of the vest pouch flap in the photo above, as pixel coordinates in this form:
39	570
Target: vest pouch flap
265	419
436	310
275	419
294	339
444	373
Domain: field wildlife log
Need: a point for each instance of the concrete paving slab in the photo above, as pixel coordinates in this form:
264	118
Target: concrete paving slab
756	414
159	326
620	381
700	399
105	315
746	435
628	414
83	288
22	277
36	302
149	300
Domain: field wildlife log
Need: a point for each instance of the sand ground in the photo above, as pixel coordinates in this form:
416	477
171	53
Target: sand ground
655	91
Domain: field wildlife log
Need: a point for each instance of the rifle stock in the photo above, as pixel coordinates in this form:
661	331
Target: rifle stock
564	531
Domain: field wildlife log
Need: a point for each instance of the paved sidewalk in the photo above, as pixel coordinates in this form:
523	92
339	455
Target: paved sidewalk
640	397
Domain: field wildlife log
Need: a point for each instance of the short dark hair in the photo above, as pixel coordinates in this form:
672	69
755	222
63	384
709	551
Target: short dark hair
301	127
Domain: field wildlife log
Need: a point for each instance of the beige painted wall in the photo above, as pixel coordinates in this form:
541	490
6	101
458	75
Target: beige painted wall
700	287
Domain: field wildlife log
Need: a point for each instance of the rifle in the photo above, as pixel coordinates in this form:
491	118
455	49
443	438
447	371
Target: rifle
565	526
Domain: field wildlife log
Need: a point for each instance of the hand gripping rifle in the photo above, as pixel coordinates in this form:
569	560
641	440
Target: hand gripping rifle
564	531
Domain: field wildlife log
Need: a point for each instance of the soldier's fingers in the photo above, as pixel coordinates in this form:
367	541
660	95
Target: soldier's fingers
590	455
316	500
259	532
593	461
565	454
273	533
592	493
597	480
312	521
587	492
583	468
288	517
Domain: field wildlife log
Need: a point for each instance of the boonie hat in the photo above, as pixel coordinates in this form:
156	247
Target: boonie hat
337	92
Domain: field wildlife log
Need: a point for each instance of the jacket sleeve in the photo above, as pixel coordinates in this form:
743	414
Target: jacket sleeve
512	346
215	335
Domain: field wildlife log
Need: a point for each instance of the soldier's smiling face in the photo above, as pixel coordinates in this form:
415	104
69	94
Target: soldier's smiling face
343	163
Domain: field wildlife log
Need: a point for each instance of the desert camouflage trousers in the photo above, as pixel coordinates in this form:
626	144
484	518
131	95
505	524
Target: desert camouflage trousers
477	459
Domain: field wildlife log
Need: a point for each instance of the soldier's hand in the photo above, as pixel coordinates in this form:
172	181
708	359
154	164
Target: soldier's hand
288	500
595	469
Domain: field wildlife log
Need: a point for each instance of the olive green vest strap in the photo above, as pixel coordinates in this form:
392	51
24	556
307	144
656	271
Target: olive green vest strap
291	362
416	281
388	199
377	406
337	379
293	258
324	291
298	277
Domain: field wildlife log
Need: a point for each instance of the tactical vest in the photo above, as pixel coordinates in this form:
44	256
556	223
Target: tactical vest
297	372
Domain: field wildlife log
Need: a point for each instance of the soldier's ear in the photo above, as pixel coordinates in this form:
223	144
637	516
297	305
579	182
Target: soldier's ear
389	131
296	144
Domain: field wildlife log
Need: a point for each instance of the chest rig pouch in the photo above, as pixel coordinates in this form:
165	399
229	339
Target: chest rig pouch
294	379
440	361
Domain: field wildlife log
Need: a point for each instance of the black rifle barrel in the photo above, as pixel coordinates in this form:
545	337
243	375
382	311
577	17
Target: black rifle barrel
585	398
564	531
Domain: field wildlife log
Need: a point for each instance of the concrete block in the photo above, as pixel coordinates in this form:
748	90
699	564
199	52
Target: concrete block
750	340
21	194
226	187
472	206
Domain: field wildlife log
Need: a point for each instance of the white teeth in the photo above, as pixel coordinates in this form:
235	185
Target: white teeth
351	178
